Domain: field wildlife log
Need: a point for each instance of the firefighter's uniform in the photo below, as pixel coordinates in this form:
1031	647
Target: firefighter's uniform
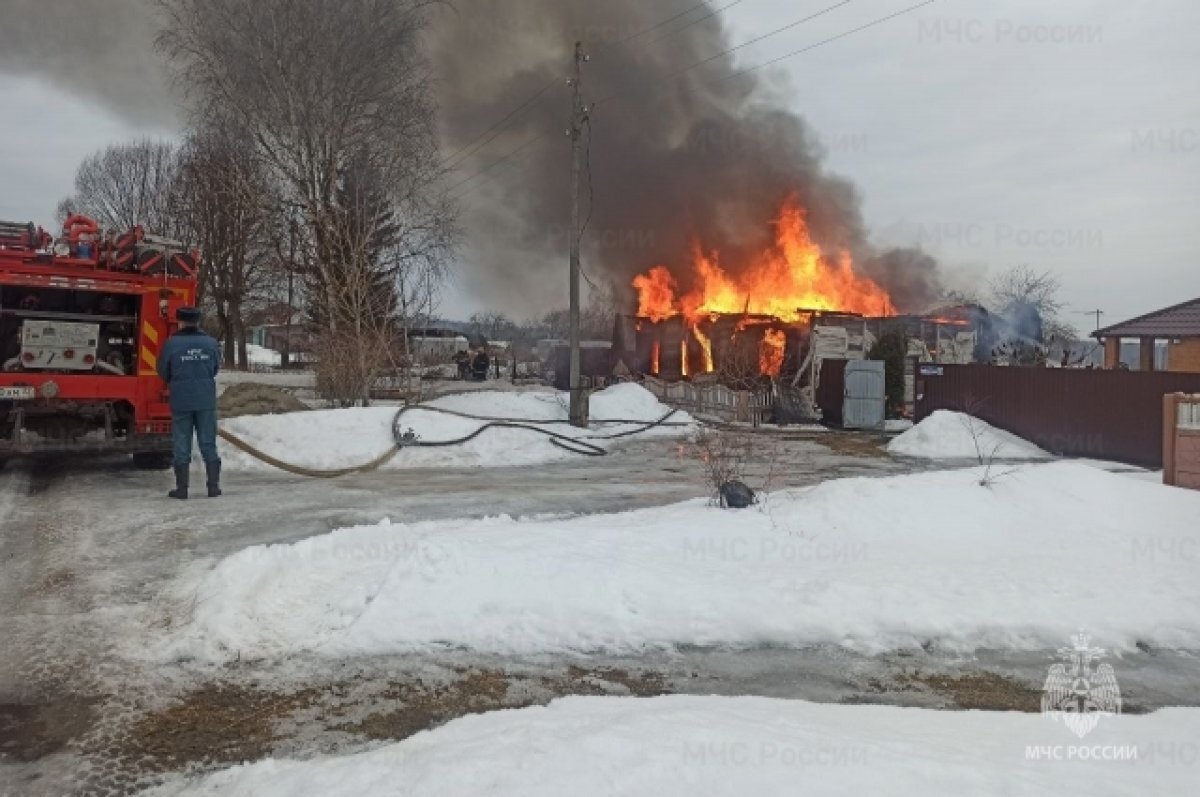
189	363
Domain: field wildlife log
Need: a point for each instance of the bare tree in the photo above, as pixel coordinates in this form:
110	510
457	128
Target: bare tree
322	90
126	185
1022	285
595	320
224	205
492	326
1031	303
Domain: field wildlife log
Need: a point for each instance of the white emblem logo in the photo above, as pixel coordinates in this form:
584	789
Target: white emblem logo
1078	694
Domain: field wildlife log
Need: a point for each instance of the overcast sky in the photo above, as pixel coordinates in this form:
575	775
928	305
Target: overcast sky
1063	135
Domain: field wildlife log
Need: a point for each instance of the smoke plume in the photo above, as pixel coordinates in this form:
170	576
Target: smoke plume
674	158
99	50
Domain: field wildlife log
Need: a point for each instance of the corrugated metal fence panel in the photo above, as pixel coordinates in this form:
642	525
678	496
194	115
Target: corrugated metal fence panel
863	407
1113	415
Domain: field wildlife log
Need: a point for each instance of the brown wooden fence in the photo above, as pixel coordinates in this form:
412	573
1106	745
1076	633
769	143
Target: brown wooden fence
1116	415
1181	440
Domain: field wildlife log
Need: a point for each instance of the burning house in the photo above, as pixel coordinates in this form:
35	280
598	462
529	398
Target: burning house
777	317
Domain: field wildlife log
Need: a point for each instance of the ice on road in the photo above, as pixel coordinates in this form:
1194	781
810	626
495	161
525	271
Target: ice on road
873	564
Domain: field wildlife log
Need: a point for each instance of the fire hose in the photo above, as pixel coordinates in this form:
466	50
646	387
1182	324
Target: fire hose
404	438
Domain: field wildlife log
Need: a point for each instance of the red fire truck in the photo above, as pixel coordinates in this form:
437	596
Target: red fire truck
82	318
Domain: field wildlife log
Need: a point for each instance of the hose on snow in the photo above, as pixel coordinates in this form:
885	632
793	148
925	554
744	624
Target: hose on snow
403	437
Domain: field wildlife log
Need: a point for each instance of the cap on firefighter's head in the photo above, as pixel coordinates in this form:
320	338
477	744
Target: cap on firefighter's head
188	315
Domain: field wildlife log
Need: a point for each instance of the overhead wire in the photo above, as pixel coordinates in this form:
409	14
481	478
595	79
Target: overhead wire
493	165
698	20
758	39
815	45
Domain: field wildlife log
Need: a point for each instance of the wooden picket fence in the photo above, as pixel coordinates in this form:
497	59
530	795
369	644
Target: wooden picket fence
714	400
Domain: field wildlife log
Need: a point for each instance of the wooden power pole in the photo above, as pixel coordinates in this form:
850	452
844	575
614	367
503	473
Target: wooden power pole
1096	313
579	400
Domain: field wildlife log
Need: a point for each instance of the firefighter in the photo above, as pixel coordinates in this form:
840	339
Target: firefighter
189	363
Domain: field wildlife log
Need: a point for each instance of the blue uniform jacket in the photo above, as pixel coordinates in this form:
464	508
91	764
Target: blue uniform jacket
189	362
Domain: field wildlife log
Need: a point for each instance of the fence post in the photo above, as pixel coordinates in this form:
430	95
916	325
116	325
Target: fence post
1170	435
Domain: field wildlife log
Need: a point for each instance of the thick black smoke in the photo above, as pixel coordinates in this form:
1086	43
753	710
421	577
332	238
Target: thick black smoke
99	50
700	156
911	276
673	159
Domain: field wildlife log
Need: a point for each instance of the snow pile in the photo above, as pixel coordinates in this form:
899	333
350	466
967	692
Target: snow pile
685	746
332	439
874	564
955	435
262	357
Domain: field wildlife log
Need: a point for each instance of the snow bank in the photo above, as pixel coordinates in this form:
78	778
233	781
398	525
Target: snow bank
332	439
955	435
874	564
736	746
262	356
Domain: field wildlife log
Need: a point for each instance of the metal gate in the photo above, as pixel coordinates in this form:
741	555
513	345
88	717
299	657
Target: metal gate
863	405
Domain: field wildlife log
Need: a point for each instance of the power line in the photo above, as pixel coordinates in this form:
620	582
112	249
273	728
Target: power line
667	21
676	75
510	115
757	39
493	165
823	42
698	20
591	197
1097	313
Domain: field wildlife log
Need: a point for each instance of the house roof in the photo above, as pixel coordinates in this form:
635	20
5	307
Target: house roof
1177	321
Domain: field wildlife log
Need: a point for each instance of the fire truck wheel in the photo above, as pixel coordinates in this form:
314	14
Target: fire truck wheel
152	460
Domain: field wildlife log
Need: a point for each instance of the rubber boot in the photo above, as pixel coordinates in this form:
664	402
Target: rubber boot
213	473
181	483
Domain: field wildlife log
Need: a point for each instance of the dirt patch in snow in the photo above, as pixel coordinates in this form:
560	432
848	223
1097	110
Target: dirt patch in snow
854	444
984	691
251	398
215	724
421	706
639	684
222	723
30	731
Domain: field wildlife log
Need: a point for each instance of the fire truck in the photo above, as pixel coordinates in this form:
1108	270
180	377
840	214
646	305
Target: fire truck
82	318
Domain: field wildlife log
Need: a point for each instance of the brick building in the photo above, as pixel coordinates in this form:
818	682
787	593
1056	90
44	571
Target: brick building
1178	326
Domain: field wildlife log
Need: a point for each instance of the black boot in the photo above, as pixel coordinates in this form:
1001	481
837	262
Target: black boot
181	483
213	472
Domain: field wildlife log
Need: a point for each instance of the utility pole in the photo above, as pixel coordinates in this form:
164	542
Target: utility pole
1096	313
579	401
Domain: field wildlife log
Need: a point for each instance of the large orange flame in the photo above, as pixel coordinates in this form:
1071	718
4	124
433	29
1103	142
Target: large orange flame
788	278
771	351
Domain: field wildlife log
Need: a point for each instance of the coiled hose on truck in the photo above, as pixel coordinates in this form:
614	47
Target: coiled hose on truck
404	438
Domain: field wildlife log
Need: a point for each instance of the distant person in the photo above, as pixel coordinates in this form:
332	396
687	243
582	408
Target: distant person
479	365
189	363
462	359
